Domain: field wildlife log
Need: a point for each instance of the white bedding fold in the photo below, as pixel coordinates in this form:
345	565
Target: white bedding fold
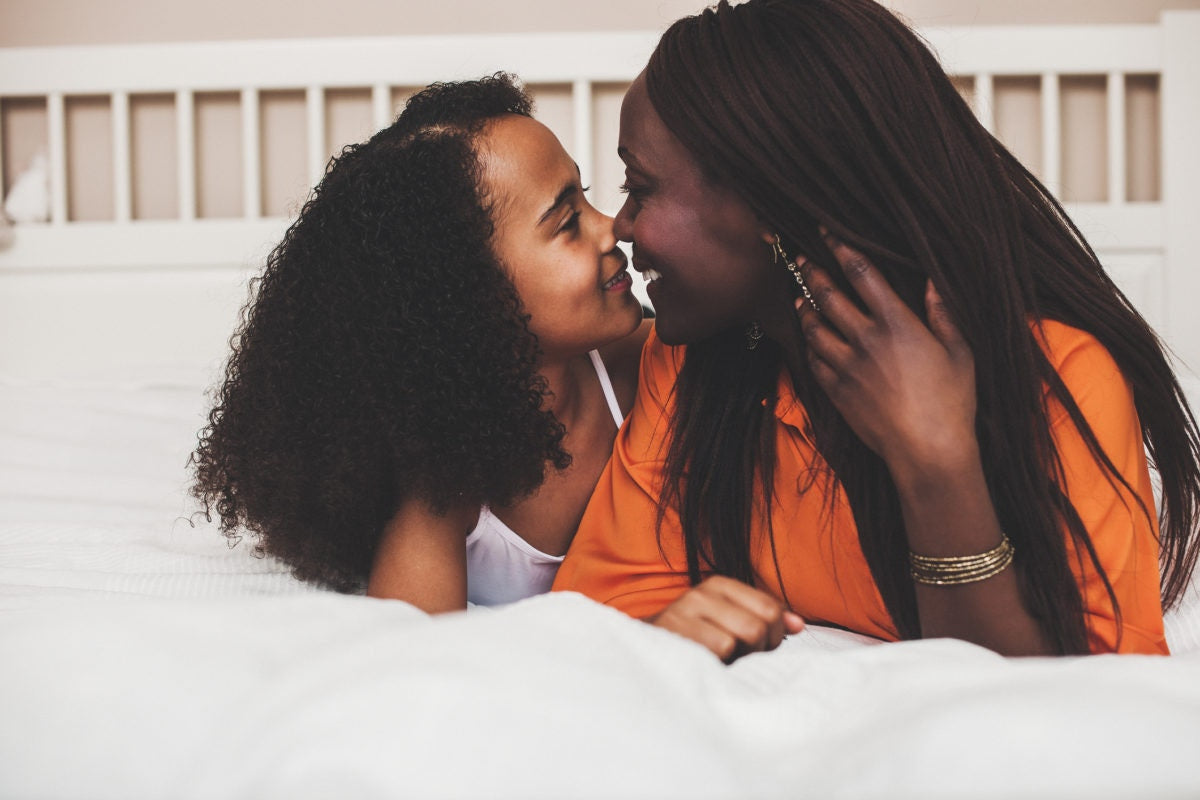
328	695
140	657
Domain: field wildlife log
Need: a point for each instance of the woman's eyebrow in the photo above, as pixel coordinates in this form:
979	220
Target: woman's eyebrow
630	159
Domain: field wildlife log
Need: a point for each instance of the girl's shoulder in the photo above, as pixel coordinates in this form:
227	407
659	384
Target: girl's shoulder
622	358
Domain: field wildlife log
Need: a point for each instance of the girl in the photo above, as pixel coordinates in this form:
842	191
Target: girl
909	402
447	317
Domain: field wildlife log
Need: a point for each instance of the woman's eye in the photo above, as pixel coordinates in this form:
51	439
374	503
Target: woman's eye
634	191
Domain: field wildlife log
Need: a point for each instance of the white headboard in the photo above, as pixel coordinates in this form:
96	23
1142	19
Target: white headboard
128	296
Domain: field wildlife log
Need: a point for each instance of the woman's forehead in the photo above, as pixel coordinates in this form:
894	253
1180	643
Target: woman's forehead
645	142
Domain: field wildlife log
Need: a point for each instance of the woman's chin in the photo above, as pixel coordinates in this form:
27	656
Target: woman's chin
670	334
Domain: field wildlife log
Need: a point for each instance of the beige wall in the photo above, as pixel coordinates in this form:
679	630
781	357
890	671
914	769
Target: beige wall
61	22
53	22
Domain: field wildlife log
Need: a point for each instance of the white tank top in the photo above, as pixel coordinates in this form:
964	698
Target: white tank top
501	566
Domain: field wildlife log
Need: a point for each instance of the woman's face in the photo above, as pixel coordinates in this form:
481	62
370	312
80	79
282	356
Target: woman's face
699	245
557	249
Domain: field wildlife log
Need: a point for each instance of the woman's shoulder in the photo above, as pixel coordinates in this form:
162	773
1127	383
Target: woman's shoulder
1062	342
1088	370
1074	352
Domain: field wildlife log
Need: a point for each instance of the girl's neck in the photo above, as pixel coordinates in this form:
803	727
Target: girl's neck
568	379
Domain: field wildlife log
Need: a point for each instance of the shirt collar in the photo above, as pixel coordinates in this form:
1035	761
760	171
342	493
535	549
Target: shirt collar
788	408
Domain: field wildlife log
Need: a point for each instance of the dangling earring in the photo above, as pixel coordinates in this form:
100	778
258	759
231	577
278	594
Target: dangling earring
779	255
754	335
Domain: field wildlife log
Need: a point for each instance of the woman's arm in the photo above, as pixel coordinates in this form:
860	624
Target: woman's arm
908	391
422	557
617	557
728	617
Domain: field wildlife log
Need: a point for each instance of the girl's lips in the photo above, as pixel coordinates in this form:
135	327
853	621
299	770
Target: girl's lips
619	282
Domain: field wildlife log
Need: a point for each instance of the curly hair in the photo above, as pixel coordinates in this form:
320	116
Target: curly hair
384	354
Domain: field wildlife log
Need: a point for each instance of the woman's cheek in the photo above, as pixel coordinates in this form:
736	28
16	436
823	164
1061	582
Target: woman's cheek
659	241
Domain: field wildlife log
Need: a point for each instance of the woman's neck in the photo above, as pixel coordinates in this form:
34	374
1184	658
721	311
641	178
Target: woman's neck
781	324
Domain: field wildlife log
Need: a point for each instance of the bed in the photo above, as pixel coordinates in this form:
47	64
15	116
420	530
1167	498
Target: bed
144	658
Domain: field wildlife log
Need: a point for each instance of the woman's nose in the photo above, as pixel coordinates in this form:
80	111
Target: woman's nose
623	223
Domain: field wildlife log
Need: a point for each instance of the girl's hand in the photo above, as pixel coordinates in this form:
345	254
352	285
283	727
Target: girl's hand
729	618
907	389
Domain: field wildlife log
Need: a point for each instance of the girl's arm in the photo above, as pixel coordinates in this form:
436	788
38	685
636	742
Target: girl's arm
422	557
908	391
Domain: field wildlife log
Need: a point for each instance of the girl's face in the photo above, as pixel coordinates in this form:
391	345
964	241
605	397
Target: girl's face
557	249
699	245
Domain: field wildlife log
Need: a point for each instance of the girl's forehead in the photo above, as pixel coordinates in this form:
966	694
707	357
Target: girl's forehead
524	167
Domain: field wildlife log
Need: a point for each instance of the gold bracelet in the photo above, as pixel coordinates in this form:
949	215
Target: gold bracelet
956	570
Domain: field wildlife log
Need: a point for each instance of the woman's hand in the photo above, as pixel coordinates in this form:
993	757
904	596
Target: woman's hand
907	389
729	618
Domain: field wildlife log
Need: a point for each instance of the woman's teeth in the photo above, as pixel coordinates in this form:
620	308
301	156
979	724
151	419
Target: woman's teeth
651	275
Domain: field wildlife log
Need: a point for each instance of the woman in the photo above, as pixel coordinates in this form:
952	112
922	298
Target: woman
910	401
448	316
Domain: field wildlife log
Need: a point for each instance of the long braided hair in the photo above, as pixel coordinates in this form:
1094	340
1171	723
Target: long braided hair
833	112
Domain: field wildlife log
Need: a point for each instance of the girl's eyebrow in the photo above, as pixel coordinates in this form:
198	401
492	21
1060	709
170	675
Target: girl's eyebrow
562	197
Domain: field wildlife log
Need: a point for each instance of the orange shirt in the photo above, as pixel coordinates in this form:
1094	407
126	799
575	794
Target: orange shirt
617	559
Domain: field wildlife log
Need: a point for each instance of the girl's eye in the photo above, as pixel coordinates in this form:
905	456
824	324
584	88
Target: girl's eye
572	223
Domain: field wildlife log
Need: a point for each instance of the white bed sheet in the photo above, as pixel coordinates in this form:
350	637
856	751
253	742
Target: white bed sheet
143	658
